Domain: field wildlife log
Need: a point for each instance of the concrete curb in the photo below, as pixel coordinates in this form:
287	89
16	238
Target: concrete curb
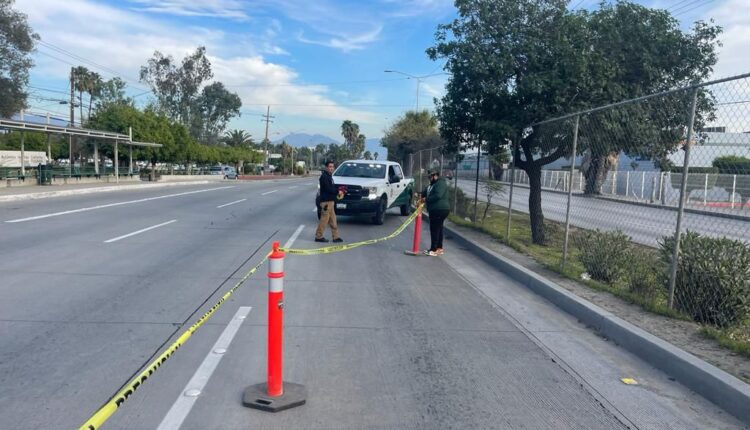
60	193
712	383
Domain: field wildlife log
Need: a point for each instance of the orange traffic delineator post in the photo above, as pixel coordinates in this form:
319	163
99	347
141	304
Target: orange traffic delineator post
275	395
417	234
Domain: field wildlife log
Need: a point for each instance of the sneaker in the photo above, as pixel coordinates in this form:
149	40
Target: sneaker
338	240
440	251
430	253
321	239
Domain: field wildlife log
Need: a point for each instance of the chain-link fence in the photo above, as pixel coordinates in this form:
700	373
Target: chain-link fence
652	198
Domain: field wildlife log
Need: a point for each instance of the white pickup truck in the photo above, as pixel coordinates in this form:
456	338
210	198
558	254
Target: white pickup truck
371	187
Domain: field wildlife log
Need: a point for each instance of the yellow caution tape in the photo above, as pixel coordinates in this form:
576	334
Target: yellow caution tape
118	399
348	246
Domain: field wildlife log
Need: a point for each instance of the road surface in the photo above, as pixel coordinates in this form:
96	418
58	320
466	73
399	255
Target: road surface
645	225
93	286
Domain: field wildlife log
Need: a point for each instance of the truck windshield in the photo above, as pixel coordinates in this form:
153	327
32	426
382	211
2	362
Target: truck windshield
361	170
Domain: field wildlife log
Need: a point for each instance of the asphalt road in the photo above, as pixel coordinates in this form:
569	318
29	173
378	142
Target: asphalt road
93	286
645	225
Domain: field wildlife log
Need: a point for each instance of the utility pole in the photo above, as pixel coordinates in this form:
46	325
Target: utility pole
72	122
267	118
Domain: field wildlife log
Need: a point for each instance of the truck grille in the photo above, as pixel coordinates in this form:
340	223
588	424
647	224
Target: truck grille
353	193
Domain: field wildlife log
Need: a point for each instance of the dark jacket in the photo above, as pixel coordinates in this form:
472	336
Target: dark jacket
328	190
436	196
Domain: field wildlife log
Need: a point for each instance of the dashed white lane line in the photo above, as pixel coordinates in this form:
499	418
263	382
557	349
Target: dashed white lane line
143	230
129	202
230	203
182	406
269	192
294	237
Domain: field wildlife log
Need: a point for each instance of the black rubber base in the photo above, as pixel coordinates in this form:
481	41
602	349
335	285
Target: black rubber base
256	397
412	253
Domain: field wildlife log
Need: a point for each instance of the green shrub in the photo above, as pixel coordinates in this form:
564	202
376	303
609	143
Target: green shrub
713	278
645	274
605	255
732	164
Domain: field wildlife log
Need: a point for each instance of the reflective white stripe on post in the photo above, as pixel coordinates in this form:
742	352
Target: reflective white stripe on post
275	285
275	265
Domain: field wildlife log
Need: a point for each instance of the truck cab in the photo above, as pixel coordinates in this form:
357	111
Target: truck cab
371	187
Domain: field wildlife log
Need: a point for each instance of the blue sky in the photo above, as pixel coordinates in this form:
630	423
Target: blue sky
307	59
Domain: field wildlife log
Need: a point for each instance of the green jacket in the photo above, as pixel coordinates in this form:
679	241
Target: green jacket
436	196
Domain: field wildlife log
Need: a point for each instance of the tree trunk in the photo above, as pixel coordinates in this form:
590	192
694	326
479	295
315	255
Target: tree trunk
536	216
595	170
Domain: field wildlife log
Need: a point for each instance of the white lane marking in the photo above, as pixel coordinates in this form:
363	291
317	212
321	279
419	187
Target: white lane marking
269	192
294	237
292	187
182	406
115	239
230	203
91	208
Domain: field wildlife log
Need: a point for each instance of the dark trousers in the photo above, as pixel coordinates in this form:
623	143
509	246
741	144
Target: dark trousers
437	218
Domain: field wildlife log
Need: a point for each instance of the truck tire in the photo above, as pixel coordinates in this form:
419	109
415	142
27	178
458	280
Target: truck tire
379	217
406	209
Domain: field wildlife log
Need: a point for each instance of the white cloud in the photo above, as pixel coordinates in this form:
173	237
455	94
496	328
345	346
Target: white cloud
346	43
123	40
230	9
733	58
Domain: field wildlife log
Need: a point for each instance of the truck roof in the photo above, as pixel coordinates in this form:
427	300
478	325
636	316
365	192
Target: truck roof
387	163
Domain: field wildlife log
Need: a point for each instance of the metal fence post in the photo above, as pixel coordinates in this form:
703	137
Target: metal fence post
510	196
570	192
476	183
627	184
455	187
643	183
705	189
734	187
681	207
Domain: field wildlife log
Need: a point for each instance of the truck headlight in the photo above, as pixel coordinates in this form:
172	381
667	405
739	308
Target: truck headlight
373	193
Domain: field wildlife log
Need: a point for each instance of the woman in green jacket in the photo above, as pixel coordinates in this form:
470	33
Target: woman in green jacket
435	197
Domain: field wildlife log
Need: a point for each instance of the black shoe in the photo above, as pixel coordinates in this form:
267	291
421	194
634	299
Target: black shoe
321	239
338	240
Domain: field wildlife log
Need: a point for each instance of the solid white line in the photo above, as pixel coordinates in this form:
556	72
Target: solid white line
231	203
115	239
91	208
182	406
294	237
292	187
269	192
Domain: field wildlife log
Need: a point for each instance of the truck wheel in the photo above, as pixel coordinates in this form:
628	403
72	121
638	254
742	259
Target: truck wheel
406	209
379	217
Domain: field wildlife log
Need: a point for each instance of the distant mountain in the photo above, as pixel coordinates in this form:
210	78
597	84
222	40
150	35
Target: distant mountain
299	140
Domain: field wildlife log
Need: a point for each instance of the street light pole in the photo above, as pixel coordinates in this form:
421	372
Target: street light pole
417	78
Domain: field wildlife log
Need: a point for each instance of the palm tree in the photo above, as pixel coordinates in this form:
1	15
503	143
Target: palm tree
238	138
89	82
349	131
375	156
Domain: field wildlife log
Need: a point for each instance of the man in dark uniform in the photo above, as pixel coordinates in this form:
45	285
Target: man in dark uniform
328	193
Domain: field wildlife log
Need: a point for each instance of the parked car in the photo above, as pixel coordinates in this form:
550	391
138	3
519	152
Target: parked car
371	187
227	171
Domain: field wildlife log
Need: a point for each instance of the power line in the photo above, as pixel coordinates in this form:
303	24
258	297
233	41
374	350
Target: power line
676	4
318	84
693	8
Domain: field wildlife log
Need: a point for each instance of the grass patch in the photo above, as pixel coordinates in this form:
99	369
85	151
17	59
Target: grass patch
736	339
551	254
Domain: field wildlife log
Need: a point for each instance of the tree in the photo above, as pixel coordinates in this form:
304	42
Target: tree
507	74
112	92
412	132
350	132
176	88
17	41
375	156
213	109
238	139
367	155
